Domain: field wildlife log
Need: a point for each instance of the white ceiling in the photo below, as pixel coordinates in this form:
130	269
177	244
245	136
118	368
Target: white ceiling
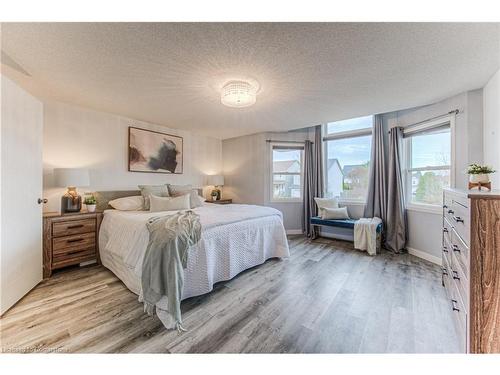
169	73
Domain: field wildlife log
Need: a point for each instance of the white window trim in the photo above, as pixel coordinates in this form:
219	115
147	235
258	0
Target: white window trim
424	207
272	199
336	136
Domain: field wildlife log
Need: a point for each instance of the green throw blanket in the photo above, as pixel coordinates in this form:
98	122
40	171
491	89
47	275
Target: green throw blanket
165	259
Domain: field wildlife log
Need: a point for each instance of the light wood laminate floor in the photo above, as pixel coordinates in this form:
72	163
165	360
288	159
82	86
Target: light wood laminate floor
326	298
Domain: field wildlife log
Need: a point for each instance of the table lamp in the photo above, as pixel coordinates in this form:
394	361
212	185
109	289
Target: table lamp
71	178
216	181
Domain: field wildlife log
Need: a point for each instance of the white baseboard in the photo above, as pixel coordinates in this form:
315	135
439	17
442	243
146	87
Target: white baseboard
294	231
422	254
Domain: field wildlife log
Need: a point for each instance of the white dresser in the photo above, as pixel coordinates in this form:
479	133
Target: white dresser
471	266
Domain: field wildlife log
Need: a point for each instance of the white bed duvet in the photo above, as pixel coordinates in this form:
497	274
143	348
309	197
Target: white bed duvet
234	238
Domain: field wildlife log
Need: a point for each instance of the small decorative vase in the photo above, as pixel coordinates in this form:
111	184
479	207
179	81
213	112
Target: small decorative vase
91	207
214	197
479	178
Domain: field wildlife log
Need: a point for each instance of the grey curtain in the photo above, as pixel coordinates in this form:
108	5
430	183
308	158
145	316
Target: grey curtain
376	202
313	181
396	225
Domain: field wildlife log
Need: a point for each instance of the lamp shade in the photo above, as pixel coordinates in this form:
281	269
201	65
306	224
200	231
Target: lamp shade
65	177
215	180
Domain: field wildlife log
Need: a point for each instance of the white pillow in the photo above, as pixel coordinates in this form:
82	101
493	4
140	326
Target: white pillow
169	203
134	203
334	213
326	203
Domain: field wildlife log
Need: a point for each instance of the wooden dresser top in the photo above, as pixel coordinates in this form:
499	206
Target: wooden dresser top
494	194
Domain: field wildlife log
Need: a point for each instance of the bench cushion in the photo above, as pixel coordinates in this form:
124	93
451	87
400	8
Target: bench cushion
342	223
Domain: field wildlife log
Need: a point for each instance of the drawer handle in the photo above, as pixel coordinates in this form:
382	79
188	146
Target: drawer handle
75	226
458	219
453	304
445	206
445	249
445	230
455	275
451	212
75	240
445	271
455	248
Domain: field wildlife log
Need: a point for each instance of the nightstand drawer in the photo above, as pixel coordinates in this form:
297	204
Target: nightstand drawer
68	228
72	258
78	242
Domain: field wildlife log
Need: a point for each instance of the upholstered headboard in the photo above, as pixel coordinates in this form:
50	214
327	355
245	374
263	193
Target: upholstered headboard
103	197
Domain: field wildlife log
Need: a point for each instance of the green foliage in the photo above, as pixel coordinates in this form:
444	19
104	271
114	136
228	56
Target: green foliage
479	169
90	200
429	189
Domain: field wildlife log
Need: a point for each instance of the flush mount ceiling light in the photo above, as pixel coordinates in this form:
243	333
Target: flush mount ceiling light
239	94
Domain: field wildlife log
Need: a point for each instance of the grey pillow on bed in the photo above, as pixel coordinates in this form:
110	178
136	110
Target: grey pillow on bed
178	190
158	190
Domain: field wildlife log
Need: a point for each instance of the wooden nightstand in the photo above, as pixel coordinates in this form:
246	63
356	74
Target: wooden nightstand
221	201
69	239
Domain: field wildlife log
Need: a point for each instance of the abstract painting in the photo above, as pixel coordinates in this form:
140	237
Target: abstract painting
154	152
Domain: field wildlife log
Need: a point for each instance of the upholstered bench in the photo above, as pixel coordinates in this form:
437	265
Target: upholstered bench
345	223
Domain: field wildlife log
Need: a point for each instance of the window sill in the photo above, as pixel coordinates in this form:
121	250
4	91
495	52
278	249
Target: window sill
285	201
426	208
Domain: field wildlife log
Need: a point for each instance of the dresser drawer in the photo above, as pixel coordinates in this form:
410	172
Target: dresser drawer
460	251
458	309
460	279
77	242
447	202
461	221
447	228
447	249
68	228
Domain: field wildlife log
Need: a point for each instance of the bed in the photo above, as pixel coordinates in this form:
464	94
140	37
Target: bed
234	238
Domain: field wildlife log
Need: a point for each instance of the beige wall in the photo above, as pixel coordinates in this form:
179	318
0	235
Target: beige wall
491	141
78	137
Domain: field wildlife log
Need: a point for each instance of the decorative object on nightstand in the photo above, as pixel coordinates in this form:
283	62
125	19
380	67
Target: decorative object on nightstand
69	239
216	181
90	203
479	176
71	178
221	201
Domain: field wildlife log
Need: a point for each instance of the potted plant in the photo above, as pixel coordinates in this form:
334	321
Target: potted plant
90	202
479	173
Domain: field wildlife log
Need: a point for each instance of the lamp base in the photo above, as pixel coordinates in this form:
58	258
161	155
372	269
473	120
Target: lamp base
71	201
216	192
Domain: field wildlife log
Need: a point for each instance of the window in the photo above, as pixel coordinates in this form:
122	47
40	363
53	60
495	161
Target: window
428	162
347	158
286	172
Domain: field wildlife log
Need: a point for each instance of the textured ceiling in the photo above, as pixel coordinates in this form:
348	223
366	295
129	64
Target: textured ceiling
169	73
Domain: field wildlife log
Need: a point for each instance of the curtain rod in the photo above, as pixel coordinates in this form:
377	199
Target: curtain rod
455	111
273	140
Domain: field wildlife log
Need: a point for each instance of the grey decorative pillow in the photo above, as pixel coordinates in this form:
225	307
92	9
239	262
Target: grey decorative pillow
169	203
158	190
178	190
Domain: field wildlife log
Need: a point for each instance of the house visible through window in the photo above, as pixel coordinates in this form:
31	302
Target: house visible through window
286	174
347	158
428	163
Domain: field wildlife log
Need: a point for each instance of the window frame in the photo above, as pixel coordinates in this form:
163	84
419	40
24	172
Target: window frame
293	146
337	136
415	130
